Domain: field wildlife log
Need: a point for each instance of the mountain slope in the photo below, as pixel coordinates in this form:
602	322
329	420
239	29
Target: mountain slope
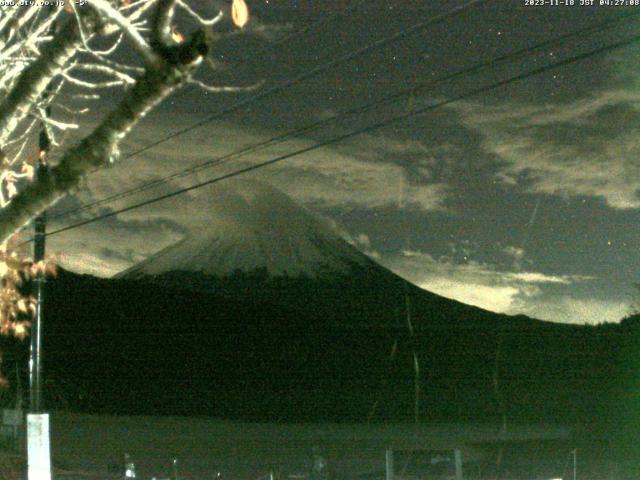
268	348
255	227
265	314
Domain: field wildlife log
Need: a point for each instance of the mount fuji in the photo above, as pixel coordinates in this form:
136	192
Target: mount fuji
256	228
262	312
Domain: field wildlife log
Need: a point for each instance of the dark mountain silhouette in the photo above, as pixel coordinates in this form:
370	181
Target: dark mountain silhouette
326	339
263	347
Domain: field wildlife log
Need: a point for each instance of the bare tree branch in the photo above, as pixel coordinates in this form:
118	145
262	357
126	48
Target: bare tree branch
206	22
223	88
35	78
40	64
99	146
149	57
161	29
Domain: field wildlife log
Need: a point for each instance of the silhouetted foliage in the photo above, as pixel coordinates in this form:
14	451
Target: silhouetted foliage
256	347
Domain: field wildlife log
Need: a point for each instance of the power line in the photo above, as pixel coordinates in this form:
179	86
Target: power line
341	115
313	72
367	129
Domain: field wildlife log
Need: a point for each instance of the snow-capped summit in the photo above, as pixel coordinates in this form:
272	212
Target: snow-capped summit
255	227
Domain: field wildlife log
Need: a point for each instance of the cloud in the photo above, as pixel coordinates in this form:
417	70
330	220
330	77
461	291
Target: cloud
354	175
585	148
517	256
362	242
500	291
571	309
516	252
106	248
362	173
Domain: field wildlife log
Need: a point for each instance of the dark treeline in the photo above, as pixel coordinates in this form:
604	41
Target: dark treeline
297	349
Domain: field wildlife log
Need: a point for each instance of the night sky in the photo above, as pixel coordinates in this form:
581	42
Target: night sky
524	199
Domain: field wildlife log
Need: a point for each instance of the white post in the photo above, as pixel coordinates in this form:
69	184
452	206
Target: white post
39	457
457	454
389	464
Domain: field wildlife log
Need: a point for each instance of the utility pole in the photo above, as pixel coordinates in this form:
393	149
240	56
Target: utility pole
38	444
35	359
